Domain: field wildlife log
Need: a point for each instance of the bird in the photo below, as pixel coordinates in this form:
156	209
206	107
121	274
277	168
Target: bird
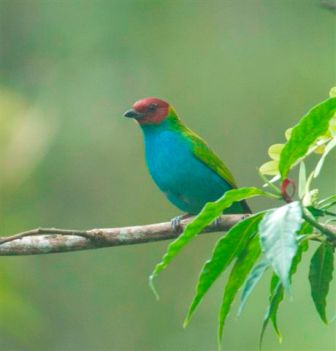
180	162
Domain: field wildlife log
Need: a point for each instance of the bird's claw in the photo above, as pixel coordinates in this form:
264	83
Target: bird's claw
216	222
176	224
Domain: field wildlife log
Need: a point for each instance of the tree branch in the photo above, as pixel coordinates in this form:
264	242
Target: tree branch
52	240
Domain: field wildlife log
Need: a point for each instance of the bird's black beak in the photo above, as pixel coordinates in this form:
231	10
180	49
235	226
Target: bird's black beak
133	114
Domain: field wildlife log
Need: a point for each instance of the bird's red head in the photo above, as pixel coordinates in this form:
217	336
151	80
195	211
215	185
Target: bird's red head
149	111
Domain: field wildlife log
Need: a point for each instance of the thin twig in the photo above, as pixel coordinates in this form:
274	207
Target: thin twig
327	230
329	5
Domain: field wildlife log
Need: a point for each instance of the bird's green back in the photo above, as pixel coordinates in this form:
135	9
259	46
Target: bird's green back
201	150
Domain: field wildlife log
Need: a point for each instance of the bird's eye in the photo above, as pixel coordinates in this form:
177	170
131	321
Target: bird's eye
152	107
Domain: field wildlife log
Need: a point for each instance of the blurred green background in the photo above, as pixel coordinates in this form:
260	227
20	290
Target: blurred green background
240	72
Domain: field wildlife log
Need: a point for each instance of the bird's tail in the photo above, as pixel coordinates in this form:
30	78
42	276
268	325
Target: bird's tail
238	208
245	207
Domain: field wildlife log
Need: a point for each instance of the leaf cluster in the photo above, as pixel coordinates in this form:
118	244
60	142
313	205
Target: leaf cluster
274	239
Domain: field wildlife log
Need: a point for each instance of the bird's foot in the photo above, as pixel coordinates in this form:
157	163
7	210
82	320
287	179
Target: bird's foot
176	222
216	222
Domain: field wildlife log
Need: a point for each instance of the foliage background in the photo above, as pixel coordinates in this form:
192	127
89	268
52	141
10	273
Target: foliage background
239	72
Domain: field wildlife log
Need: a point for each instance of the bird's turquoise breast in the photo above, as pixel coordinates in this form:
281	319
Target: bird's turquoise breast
186	181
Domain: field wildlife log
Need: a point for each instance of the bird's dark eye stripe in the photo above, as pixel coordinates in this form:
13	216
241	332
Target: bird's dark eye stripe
152	107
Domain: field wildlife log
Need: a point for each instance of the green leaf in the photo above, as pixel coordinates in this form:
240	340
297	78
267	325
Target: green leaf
277	294
332	92
314	124
306	229
320	276
328	148
274	151
209	213
328	202
226	249
270	168
240	271
277	232
251	282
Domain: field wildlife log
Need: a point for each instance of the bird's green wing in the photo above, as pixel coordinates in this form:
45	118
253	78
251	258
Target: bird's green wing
203	152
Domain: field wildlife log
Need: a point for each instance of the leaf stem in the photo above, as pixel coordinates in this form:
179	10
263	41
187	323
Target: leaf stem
272	196
329	213
325	231
270	184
